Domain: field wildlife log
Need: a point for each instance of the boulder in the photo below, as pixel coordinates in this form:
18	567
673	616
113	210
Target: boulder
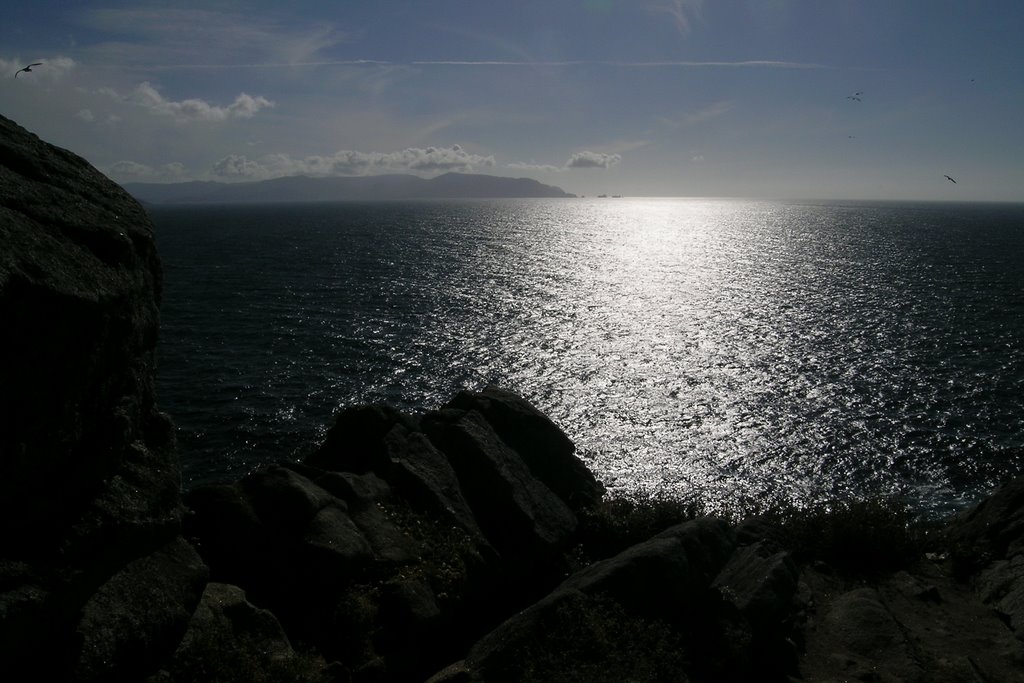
520	516
427	480
991	530
666	579
987	546
547	451
229	638
759	586
282	536
663	577
354	443
132	619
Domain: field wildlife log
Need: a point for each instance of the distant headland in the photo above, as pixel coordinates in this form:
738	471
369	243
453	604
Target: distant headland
308	189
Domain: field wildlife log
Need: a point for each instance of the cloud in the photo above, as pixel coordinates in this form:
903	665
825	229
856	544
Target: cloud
697	158
86	115
545	168
125	171
146	96
350	162
592	160
235	166
675	63
680	11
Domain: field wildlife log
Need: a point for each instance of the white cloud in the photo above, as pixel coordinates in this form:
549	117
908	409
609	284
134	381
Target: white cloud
126	171
697	158
86	115
236	166
350	162
592	160
546	168
145	95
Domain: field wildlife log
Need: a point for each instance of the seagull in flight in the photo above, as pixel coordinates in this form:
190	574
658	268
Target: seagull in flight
27	69
949	179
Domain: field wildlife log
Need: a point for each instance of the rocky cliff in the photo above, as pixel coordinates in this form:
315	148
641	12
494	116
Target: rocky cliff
468	543
93	570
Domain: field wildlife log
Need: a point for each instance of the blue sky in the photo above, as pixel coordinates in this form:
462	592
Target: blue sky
640	97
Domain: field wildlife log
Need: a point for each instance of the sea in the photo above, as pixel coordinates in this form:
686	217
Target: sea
740	353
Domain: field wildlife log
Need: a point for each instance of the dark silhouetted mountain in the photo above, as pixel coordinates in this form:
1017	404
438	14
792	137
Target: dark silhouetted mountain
306	189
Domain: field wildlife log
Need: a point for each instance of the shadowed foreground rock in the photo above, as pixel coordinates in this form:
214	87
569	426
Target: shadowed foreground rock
95	580
449	546
404	537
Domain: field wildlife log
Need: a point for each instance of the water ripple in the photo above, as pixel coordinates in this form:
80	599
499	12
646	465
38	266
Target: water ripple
741	352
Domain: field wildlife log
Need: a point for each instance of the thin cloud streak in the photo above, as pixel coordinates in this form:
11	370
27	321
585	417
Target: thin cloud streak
753	63
763	63
270	65
680	10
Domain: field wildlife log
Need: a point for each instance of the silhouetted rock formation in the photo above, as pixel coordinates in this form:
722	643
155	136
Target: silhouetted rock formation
404	537
94	578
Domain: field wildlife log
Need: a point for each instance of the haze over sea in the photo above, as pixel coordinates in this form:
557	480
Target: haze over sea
742	352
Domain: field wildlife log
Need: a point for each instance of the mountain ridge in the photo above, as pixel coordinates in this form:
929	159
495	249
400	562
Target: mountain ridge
312	189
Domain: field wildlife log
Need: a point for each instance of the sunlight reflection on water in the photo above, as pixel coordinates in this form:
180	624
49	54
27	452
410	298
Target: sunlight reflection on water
742	352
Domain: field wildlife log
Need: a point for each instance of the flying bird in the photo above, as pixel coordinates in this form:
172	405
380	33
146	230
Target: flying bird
855	96
26	69
949	179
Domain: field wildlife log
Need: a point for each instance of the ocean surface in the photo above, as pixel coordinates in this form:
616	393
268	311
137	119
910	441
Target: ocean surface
740	352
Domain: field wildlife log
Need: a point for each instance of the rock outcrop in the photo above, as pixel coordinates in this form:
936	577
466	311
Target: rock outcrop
403	538
95	581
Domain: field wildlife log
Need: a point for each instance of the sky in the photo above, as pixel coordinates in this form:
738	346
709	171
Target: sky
829	99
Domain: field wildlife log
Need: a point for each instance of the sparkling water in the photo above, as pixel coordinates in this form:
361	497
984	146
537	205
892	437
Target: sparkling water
739	352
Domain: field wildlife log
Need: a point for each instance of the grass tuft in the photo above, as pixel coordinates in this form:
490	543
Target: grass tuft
589	639
622	520
859	538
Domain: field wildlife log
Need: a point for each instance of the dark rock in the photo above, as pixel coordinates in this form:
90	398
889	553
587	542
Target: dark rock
427	480
664	579
278	534
992	530
892	630
225	613
283	497
393	556
520	516
140	614
89	481
79	290
761	583
546	450
987	546
229	638
227	532
355	441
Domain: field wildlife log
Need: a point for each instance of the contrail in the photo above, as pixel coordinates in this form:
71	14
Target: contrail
763	64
